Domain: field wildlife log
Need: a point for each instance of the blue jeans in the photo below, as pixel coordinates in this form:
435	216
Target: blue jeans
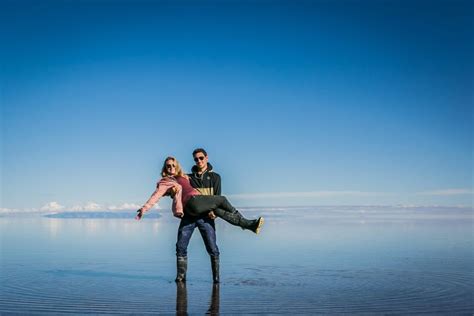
207	229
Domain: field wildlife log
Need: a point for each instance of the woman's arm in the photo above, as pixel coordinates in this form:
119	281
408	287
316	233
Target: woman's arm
162	187
177	196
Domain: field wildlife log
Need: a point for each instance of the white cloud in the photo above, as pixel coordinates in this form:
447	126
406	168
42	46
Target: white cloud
447	192
95	207
124	207
90	206
310	194
55	206
52	207
7	210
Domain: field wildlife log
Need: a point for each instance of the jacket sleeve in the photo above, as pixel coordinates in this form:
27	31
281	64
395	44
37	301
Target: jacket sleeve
177	206
217	184
161	188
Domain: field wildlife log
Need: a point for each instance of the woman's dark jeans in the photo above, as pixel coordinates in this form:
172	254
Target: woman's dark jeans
200	204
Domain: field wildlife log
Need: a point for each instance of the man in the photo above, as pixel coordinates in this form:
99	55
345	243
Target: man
208	182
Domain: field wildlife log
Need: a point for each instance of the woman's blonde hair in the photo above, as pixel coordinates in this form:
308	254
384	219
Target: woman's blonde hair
179	170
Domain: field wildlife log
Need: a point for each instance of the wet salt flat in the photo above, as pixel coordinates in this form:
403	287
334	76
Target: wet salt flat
306	260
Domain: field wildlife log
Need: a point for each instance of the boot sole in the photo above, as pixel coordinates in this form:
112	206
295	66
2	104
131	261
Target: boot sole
260	224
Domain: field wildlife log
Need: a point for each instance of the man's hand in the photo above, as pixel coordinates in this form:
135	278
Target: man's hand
173	191
179	215
211	215
139	214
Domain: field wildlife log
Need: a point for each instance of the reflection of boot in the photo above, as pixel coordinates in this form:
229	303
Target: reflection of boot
181	299
181	267
236	219
215	268
214	307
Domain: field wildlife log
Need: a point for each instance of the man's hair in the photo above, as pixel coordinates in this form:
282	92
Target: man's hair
199	150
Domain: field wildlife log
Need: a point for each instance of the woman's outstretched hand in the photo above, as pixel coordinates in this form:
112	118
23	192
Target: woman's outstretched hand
139	215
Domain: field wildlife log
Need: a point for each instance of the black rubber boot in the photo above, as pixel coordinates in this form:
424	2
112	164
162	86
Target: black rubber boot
181	268
236	219
256	225
215	269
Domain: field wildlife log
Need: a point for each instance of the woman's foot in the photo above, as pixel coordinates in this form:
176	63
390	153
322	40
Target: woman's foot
257	225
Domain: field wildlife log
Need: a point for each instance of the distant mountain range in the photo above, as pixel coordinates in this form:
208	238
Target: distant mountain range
124	215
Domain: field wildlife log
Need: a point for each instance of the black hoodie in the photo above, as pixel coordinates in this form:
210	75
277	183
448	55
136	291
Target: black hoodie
208	183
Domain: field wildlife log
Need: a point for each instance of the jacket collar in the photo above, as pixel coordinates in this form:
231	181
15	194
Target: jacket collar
194	169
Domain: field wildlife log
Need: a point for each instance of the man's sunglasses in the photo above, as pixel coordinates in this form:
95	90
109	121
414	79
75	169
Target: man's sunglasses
170	166
196	159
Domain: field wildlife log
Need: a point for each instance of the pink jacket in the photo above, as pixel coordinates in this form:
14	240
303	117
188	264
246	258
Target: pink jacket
162	188
184	193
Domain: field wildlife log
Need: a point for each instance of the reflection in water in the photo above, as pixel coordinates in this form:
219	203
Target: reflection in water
91	226
371	264
156	228
214	306
54	226
182	299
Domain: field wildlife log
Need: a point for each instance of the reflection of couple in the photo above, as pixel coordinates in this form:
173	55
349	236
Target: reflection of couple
197	202
182	299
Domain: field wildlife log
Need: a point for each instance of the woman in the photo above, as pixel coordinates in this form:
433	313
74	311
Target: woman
175	183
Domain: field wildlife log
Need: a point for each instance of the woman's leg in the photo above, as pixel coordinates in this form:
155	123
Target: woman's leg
200	204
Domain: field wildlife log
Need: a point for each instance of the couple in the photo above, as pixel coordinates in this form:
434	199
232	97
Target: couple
195	204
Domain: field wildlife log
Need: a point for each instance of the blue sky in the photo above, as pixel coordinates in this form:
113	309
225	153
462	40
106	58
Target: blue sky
297	102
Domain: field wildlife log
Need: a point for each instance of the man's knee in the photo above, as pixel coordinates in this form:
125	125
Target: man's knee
182	245
211	244
184	235
208	234
213	251
181	251
211	247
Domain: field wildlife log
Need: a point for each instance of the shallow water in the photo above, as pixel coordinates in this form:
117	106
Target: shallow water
305	261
